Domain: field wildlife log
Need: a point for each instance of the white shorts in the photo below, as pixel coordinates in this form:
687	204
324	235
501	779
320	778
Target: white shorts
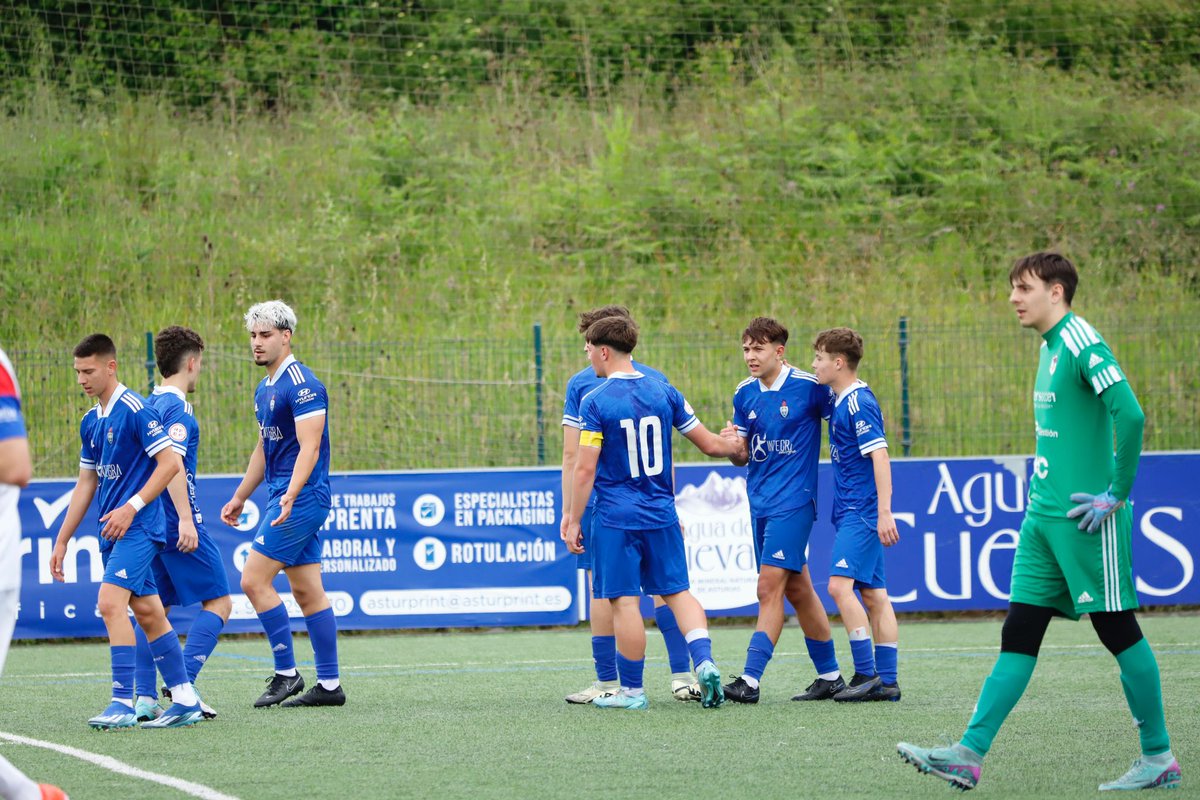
8	620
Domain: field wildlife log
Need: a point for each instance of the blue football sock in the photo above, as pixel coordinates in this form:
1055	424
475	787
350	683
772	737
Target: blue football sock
864	656
279	635
322	632
631	671
201	641
168	655
604	653
677	647
122	671
758	654
699	645
885	661
145	675
823	655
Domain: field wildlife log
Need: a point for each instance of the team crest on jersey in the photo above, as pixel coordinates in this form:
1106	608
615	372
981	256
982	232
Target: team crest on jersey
110	436
272	404
1053	364
783	409
177	432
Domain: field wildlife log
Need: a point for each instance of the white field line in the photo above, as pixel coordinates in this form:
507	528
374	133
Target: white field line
215	670
121	768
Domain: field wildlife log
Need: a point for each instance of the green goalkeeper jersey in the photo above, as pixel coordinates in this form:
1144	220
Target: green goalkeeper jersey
1073	424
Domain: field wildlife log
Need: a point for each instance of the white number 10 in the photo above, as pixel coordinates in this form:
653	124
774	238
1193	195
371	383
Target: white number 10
651	460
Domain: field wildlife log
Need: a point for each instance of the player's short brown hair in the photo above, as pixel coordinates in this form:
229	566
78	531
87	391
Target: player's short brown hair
586	318
1049	268
95	344
619	333
844	342
765	330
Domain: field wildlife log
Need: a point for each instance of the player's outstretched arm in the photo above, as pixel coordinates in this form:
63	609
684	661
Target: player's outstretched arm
742	457
116	522
882	466
711	444
81	498
16	467
256	470
189	537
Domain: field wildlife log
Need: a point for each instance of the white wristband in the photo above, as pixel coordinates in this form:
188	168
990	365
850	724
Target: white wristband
137	502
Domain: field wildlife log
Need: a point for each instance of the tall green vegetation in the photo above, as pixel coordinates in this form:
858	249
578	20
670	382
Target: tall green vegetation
845	167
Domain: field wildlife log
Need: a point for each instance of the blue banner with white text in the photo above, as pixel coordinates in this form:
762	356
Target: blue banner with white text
399	550
479	548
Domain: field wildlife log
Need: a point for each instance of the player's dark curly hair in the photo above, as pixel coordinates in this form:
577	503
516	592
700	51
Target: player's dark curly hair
844	342
765	330
619	333
1049	268
95	344
173	345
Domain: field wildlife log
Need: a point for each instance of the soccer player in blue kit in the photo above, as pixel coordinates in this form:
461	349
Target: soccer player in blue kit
862	514
625	452
292	456
777	415
604	643
189	568
126	457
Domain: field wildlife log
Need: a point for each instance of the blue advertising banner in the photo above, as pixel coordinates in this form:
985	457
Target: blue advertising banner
405	550
958	522
476	548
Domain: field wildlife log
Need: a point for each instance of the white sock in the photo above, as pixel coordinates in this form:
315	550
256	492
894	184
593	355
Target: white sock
123	701
698	633
287	673
1160	760
635	692
751	682
858	634
15	784
329	684
145	698
830	676
184	694
682	676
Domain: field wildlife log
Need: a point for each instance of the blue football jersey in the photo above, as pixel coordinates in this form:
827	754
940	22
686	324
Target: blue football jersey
781	424
179	419
630	416
855	431
119	443
12	426
291	395
583	382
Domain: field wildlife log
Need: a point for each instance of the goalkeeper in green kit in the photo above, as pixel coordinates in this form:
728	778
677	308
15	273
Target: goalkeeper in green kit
1073	556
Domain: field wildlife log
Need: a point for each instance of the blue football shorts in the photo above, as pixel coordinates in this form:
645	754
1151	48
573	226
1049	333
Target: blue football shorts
632	563
129	563
297	541
186	578
858	553
782	540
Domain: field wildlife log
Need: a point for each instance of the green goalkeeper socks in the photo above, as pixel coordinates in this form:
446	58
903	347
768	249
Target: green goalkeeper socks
1143	692
1001	691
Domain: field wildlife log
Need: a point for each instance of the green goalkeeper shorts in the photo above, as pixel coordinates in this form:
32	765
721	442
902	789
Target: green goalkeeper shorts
1059	566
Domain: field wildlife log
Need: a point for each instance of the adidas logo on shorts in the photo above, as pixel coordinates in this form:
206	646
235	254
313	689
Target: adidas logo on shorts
777	554
1084	598
122	574
842	563
260	540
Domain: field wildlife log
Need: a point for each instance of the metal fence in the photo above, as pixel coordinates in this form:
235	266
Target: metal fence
480	402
